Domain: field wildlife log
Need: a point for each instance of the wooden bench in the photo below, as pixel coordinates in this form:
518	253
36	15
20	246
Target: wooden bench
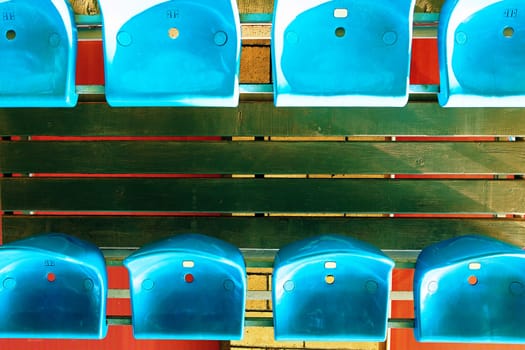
261	177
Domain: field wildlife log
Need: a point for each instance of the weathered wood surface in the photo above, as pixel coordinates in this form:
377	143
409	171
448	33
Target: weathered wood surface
262	232
263	195
227	157
262	119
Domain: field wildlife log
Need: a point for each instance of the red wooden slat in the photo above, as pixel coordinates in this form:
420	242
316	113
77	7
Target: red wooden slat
119	337
122	138
90	63
402	279
423	71
403	339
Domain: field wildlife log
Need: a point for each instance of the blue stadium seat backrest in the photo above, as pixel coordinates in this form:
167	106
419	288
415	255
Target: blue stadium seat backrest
482	53
52	286
38	50
171	53
341	52
470	289
189	286
331	287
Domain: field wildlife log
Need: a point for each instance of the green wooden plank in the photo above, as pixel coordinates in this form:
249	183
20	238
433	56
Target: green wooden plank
261	232
261	157
263	195
262	118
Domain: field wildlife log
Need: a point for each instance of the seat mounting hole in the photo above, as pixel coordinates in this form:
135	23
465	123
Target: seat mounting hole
340	32
508	32
10	34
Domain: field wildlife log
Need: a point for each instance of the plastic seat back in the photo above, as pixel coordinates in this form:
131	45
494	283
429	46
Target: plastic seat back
331	288
38	48
171	53
190	286
341	52
470	289
481	55
52	286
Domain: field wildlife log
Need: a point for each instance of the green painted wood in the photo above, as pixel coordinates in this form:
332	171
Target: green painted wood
262	118
261	232
263	195
261	157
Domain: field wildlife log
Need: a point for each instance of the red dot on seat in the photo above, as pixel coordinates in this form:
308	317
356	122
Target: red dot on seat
472	280
51	277
188	278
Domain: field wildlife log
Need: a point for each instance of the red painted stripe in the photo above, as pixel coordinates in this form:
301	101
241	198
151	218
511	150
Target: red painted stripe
446	176
423	138
118	213
443	216
124	138
403	339
155	176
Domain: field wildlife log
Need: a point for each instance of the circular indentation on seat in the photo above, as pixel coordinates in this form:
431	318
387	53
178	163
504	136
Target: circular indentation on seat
124	38
517	288
148	284
289	286
9	283
390	38
88	284
229	285
54	40
371	286
461	38
220	38
292	37
432	287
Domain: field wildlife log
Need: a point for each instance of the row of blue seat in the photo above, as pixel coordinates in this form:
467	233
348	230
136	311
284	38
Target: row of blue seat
330	287
324	53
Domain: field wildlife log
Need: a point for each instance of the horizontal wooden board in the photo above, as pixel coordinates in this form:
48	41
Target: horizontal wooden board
262	119
109	157
261	232
262	195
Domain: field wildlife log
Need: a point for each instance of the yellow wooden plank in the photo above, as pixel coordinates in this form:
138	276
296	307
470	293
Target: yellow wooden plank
264	336
308	138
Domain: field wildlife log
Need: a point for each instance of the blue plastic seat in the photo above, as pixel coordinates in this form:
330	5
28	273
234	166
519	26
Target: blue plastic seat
190	286
341	52
331	288
470	289
38	49
481	53
171	53
52	286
